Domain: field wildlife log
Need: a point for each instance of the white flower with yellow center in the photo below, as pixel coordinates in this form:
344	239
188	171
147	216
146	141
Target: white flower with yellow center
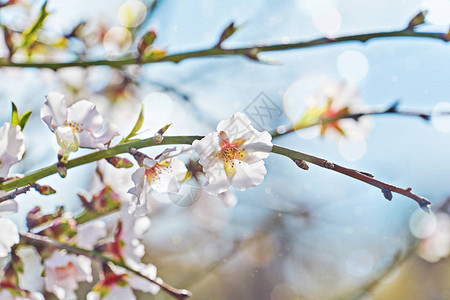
79	125
233	155
160	176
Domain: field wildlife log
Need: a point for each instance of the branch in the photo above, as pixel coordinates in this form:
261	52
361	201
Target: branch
249	52
356	116
36	239
386	188
14	194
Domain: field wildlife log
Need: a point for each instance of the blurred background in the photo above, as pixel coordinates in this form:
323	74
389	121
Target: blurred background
301	234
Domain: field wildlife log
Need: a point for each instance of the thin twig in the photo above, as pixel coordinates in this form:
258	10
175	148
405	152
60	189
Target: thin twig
356	116
249	52
386	188
36	239
15	193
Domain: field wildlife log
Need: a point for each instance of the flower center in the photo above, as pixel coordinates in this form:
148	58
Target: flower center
154	172
78	127
231	151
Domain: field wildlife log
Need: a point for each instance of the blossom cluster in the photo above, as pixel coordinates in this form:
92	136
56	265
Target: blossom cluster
229	158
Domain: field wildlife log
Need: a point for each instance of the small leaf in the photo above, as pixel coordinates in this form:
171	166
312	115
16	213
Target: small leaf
137	125
164	129
229	31
146	41
15	120
418	19
29	36
24	119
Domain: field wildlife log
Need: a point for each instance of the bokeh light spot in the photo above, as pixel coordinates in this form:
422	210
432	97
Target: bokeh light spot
132	13
441	121
359	263
117	40
352	65
422	225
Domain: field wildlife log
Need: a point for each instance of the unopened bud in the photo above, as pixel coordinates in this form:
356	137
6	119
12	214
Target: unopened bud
158	138
62	170
43	189
138	156
119	162
301	164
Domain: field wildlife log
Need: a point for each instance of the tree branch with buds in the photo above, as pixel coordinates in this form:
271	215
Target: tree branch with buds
386	188
217	50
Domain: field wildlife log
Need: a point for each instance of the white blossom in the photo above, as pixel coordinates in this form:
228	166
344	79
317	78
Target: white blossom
89	233
64	271
233	155
161	176
79	125
9	236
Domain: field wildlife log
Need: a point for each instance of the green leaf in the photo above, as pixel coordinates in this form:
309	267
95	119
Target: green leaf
15	120
136	127
29	36
24	119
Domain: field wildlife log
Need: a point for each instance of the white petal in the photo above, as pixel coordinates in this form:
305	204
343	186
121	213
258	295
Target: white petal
260	145
236	127
120	293
90	233
218	181
8	207
11	147
149	163
248	174
54	111
85	114
207	147
139	180
9	236
139	283
97	141
64	271
32	266
167	180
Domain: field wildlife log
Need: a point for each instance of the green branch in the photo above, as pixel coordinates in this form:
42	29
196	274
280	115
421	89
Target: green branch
298	157
250	52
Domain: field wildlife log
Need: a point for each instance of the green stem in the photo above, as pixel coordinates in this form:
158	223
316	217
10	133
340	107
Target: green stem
95	156
250	52
297	156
